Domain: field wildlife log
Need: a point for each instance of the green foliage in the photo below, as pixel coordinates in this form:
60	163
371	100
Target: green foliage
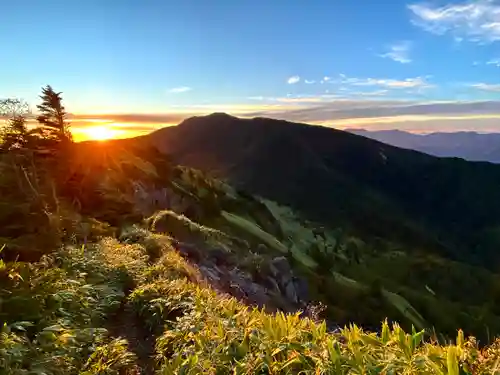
66	298
254	230
76	300
110	359
405	308
217	335
30	214
32	219
184	229
15	134
171	266
53	313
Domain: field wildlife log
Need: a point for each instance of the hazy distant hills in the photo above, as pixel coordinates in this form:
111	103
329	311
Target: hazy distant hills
468	145
343	179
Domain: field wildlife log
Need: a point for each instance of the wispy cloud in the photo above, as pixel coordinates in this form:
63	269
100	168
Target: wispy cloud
328	110
371	93
177	90
486	86
298	99
309	82
477	20
399	52
495	62
416	82
131	118
346	112
293	80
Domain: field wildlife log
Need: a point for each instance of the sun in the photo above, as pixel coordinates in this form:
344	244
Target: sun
99	133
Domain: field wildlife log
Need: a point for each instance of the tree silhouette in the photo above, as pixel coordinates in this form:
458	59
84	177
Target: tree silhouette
15	134
53	116
11	107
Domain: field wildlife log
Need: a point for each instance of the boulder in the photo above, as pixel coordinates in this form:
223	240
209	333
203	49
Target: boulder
295	289
280	267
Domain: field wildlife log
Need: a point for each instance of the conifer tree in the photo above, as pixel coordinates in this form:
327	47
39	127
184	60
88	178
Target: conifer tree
53	116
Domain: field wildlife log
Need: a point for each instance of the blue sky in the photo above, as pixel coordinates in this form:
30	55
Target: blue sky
272	57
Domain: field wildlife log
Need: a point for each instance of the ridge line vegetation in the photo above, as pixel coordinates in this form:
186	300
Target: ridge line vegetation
94	280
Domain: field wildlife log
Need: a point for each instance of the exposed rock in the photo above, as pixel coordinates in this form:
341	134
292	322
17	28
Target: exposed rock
219	256
294	288
275	289
280	267
273	283
291	293
259	296
150	199
302	289
210	274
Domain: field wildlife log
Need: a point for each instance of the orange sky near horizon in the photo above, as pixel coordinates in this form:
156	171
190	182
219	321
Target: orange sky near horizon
115	125
105	130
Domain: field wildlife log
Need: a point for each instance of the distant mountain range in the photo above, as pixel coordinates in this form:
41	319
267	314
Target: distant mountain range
372	189
467	145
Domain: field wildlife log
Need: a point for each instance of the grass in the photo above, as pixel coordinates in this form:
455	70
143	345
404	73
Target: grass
53	315
255	231
66	298
400	303
184	229
346	281
79	310
405	308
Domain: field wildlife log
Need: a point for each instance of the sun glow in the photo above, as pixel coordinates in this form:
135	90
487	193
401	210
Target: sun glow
100	133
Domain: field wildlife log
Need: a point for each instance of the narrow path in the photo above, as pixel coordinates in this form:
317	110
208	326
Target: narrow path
126	324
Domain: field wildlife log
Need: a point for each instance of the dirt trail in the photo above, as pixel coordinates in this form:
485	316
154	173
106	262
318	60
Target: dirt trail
126	324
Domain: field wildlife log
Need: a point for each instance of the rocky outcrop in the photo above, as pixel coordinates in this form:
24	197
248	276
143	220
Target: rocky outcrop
278	289
274	287
294	288
148	199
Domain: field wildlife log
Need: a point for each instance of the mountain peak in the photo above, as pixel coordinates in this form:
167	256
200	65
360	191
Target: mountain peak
220	115
212	118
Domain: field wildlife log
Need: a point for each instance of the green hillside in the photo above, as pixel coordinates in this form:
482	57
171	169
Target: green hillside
441	205
117	260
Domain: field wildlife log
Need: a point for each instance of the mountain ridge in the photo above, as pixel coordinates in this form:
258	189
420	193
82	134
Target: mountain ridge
161	258
367	186
469	145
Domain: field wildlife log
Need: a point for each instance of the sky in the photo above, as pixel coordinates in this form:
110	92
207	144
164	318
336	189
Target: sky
128	67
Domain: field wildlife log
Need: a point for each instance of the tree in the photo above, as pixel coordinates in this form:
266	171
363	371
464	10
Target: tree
53	117
15	134
10	108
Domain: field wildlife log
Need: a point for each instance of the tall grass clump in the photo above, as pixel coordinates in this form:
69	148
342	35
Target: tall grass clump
53	314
